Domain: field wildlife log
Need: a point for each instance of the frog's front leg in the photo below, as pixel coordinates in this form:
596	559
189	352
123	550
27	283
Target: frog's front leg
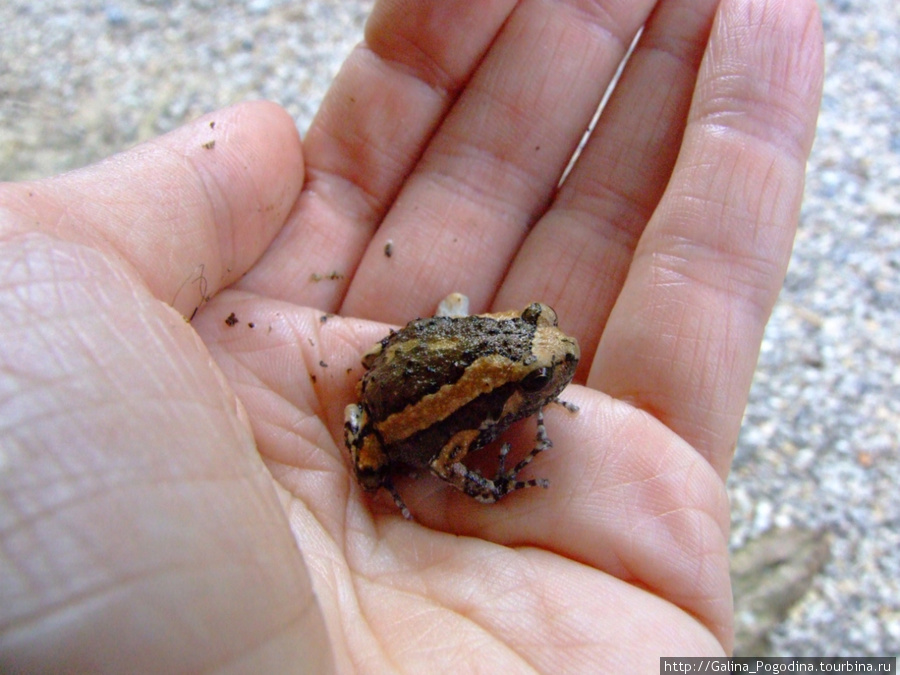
449	467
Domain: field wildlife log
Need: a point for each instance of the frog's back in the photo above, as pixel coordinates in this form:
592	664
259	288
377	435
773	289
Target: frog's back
428	354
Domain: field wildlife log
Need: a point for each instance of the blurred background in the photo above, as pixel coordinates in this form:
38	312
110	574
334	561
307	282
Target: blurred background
815	502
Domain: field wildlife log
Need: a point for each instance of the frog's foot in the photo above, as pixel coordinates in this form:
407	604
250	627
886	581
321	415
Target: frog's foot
571	407
490	491
388	485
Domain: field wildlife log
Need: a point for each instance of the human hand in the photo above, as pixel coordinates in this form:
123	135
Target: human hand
173	494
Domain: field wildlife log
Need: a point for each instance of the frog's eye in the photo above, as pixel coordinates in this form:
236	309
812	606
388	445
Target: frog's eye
537	313
532	313
536	380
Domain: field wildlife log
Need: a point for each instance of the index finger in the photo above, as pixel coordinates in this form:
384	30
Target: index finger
494	163
379	113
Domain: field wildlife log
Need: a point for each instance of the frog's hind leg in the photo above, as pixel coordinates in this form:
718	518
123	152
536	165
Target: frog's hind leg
449	467
508	479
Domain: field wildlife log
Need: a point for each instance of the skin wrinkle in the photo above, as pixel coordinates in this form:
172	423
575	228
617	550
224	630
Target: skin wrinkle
239	660
423	96
703	599
694	205
91	359
460	654
660	124
726	122
77	496
555	256
481	575
774	200
445	45
88	595
370	620
337	192
216	221
390	139
676	268
426	70
679	49
669	522
330	186
65	482
127	585
560	85
504	152
476	185
538	600
73	211
623	224
103	489
143	239
311	410
317	437
727	89
599	16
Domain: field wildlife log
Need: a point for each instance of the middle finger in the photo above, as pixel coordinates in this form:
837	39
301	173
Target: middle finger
576	258
496	160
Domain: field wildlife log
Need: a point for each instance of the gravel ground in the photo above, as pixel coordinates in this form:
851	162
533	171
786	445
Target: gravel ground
819	450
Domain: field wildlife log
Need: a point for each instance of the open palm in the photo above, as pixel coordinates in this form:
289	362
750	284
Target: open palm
177	495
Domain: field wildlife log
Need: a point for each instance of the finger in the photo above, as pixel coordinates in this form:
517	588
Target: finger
683	338
132	490
189	212
496	159
578	255
377	117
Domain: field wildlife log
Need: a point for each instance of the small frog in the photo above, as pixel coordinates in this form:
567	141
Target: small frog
442	387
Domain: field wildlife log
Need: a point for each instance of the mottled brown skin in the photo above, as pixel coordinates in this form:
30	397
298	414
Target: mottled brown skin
443	387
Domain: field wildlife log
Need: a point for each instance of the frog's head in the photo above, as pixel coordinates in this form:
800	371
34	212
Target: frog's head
554	355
